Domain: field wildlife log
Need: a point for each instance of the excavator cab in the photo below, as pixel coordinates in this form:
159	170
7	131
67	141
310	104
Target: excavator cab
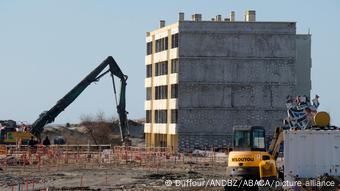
249	138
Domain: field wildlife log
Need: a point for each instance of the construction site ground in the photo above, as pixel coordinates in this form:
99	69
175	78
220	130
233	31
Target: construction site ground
111	177
119	172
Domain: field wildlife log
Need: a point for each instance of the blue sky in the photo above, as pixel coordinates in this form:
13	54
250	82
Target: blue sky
47	47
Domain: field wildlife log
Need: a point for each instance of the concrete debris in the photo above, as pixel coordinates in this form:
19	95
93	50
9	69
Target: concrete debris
301	111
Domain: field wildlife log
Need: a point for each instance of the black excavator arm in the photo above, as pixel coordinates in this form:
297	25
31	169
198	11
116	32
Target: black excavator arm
50	115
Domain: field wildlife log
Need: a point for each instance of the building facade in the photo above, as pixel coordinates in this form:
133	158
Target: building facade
205	77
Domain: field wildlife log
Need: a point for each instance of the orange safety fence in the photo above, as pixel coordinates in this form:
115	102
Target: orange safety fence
25	160
56	156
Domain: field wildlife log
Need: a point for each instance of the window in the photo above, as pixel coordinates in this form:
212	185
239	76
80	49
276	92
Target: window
161	68
162	44
258	138
148	93
242	139
148	116
174	66
174	90
157	45
174	116
148	48
161	116
161	92
166	40
174	40
148	70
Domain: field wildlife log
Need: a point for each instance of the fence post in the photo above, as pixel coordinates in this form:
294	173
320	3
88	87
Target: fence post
81	181
106	178
26	183
33	184
126	156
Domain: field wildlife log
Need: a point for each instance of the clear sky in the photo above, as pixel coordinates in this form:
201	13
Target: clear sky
47	47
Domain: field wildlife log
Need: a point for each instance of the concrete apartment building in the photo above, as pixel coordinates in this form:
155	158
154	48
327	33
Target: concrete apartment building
205	77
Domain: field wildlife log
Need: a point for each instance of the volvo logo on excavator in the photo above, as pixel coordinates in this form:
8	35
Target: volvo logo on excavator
242	159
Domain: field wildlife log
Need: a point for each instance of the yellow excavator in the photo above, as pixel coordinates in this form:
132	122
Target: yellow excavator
249	158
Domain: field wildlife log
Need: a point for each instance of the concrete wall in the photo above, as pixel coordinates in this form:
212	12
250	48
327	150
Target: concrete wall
303	65
201	128
233	73
237	39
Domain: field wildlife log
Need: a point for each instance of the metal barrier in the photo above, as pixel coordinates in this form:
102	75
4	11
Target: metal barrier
100	154
24	160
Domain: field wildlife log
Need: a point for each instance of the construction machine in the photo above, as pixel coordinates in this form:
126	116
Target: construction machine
49	116
250	160
6	129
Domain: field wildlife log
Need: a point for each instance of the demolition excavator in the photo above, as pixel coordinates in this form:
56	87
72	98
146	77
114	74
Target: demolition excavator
49	116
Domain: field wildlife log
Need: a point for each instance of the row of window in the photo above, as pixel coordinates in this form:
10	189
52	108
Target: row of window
161	92
162	44
161	116
162	68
